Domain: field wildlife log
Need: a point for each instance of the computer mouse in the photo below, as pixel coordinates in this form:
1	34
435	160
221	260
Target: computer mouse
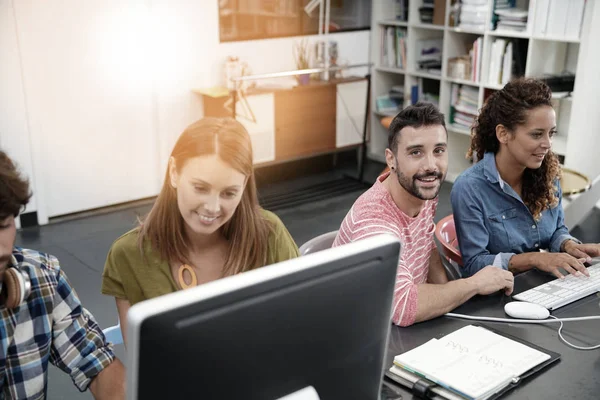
525	310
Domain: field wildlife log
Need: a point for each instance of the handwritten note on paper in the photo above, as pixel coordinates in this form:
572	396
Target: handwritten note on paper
504	353
473	361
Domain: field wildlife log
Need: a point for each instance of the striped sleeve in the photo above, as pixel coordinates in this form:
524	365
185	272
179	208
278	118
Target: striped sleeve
404	309
356	227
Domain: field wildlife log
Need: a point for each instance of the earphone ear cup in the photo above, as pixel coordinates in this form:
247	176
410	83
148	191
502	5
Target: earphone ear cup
15	288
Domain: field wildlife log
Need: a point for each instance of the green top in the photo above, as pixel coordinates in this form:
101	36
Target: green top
127	276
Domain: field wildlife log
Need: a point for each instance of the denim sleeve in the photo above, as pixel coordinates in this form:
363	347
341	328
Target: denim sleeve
561	234
472	235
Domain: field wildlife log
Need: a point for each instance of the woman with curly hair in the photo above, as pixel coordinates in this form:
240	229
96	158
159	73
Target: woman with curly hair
507	207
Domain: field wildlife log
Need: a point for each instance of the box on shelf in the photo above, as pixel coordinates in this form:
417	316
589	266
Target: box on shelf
459	67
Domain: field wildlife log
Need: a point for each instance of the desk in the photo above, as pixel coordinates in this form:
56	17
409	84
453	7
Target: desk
575	376
300	122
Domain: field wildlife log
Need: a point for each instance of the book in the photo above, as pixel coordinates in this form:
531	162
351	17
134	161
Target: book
473	362
388	105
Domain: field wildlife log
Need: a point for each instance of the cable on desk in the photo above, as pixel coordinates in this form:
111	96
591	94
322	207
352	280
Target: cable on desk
571	344
534	321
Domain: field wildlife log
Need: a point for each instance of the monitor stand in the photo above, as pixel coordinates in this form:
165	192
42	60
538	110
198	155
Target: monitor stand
308	393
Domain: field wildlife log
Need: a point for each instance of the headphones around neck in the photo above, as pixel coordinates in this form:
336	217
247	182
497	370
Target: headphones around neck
16	287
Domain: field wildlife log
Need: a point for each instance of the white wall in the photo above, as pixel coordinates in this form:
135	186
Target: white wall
193	58
106	87
14	132
585	119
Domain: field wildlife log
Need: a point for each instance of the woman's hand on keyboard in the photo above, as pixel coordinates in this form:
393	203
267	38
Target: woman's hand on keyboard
551	262
587	250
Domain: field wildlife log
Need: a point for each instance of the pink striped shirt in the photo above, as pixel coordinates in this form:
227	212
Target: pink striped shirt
375	212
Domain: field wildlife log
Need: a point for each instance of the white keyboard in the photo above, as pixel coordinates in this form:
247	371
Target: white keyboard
560	292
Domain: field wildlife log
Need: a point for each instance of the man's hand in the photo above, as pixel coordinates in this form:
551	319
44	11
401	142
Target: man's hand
551	262
492	279
586	251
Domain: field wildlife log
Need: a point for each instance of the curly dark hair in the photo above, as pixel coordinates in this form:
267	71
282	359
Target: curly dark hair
14	189
509	107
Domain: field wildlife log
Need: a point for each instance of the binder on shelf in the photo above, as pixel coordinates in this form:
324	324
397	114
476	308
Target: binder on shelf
540	22
557	18
475	362
574	18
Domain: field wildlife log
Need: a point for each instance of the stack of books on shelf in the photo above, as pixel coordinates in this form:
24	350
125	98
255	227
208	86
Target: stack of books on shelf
397	93
426	12
511	19
507	17
504	4
429	55
392	102
393	47
473	15
401	10
463	108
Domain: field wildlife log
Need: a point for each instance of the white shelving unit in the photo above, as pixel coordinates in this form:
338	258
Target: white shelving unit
544	55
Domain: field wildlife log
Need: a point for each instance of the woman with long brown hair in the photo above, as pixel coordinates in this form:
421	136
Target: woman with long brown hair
507	207
205	224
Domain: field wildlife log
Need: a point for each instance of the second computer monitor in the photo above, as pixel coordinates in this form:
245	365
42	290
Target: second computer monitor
319	321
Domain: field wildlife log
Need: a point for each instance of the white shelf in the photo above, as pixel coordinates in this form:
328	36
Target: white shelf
456	29
462	82
492	86
427	75
557	39
562	96
383	115
510	34
392	22
427	26
542	56
456	129
392	70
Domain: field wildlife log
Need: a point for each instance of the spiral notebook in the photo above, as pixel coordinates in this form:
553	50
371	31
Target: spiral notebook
474	362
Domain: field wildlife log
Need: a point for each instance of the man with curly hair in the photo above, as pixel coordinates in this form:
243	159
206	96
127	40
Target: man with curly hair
41	317
507	207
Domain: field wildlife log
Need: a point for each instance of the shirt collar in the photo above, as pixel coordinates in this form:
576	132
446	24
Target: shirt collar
13	263
492	174
490	170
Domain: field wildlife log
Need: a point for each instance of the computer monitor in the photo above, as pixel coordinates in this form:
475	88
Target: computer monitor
320	321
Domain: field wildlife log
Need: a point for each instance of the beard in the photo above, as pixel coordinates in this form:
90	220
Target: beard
410	184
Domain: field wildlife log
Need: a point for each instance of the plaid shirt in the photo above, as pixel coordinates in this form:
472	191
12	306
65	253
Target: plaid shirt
51	325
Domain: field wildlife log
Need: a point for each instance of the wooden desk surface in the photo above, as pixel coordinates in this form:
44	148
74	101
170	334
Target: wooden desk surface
219	92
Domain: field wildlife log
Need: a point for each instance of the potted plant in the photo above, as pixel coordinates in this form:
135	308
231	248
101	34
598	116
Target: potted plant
302	57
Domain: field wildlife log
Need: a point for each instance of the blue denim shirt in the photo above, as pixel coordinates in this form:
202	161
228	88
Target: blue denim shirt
492	222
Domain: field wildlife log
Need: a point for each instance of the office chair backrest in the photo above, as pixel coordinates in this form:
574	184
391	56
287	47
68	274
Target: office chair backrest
113	334
445	233
321	242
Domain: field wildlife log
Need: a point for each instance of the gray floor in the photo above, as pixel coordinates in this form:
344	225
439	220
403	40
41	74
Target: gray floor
81	246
